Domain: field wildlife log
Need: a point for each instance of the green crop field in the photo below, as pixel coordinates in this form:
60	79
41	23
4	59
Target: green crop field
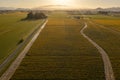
61	53
106	32
12	30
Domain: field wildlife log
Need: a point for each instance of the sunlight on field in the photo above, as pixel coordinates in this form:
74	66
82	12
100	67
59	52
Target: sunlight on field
61	53
106	33
108	22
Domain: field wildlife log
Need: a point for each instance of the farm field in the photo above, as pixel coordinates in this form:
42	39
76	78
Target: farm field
106	32
61	53
111	22
12	30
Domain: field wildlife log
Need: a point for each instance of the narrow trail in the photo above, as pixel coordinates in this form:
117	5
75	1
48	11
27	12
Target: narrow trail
15	64
109	75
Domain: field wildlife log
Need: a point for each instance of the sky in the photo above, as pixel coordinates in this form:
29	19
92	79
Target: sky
73	3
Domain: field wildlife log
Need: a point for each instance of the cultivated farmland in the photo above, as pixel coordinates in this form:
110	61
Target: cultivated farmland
61	53
13	32
105	30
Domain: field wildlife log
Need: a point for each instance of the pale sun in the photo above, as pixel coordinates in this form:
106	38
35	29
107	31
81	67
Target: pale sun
62	2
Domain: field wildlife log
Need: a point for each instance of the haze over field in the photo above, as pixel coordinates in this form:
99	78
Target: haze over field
59	39
70	3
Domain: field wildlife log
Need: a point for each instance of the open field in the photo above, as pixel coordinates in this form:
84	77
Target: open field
105	17
106	32
61	53
106	21
12	30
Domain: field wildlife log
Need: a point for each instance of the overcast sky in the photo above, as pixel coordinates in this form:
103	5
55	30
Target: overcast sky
75	3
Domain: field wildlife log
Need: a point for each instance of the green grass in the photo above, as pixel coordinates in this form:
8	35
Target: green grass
12	30
108	37
61	53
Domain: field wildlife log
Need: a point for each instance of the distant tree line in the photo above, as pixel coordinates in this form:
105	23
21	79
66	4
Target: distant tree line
35	15
104	12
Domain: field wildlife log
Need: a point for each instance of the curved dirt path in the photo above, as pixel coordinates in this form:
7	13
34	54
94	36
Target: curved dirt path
15	64
109	75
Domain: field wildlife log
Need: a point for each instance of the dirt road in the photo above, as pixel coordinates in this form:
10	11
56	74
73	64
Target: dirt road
10	71
109	75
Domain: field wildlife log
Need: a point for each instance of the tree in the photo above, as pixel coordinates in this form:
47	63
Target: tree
30	15
36	15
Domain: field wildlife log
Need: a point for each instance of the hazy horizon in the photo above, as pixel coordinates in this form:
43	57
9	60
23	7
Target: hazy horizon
70	3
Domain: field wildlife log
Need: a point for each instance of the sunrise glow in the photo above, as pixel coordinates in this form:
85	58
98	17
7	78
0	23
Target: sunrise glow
62	2
71	3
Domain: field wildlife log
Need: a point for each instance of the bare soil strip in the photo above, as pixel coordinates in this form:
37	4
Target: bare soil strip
109	75
10	71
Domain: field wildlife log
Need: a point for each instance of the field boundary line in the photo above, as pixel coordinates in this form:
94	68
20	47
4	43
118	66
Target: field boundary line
15	64
109	75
